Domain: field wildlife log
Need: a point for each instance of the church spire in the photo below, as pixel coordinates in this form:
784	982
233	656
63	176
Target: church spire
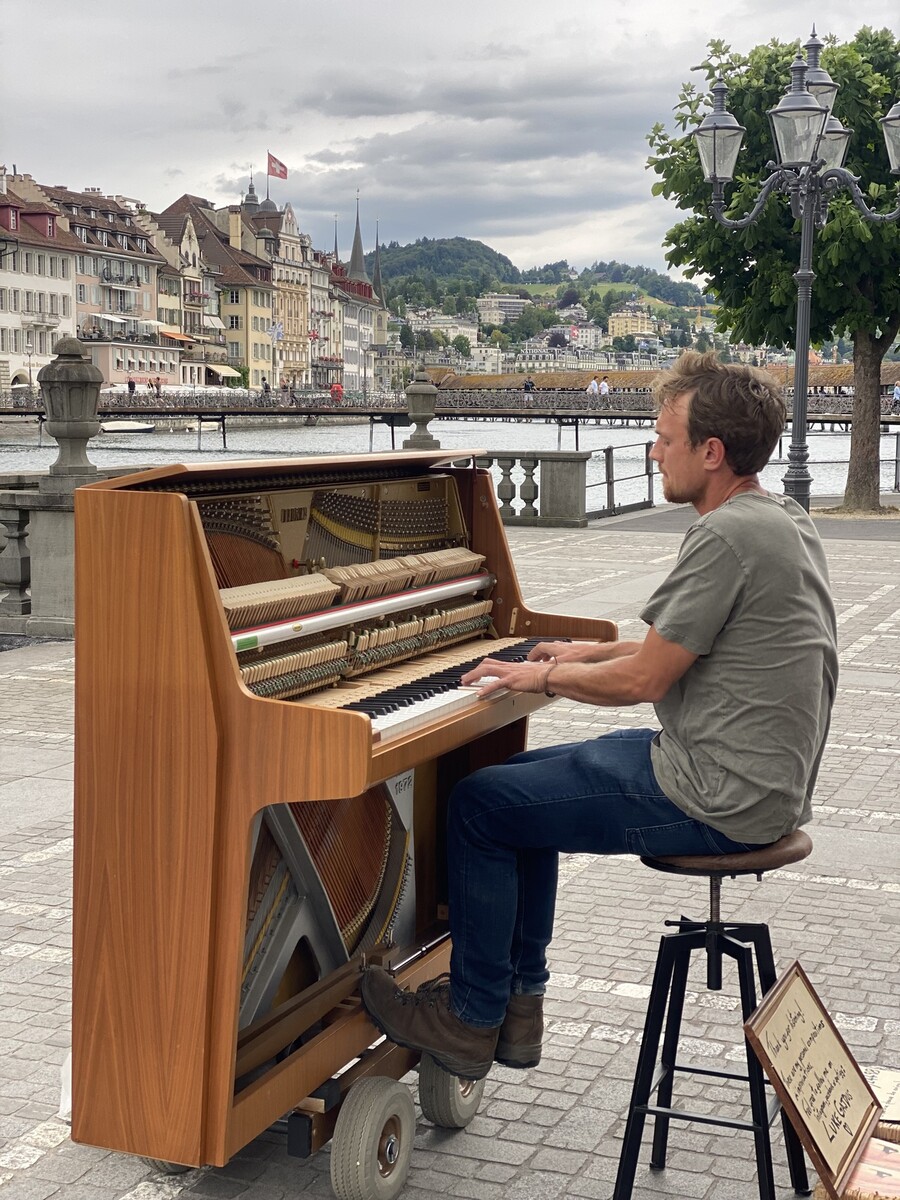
250	202
357	258
337	257
377	284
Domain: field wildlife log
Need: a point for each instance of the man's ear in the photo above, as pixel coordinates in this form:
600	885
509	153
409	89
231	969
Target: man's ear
714	455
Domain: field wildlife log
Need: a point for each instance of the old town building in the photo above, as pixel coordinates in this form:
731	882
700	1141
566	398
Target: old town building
116	269
244	280
37	286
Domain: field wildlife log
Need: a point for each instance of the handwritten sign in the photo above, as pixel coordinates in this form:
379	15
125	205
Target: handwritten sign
886	1086
820	1085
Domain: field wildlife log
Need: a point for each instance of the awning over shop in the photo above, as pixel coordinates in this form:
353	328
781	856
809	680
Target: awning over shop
176	334
112	317
224	372
212	322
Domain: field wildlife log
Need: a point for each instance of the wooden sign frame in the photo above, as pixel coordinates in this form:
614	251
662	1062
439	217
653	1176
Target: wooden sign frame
827	1098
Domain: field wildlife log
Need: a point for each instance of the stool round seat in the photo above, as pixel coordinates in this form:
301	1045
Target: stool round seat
793	847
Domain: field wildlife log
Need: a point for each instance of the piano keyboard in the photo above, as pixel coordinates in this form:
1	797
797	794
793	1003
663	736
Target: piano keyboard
399	699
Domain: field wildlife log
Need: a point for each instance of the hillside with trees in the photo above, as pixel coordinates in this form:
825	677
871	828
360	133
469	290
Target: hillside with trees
451	272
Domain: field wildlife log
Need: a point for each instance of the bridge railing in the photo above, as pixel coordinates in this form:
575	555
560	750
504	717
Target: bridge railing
554	487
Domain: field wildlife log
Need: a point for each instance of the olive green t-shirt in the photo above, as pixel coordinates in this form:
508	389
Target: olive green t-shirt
744	729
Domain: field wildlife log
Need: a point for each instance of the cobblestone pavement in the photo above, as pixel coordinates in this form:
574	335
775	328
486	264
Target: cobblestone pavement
553	1131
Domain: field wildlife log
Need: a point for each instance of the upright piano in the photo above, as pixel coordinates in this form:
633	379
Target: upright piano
268	723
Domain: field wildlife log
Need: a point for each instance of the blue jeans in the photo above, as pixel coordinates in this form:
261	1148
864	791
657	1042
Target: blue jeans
507	826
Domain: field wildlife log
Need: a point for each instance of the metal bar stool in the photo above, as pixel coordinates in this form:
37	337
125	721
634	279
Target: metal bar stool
655	1071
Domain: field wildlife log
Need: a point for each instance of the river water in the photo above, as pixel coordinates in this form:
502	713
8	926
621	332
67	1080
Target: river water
20	451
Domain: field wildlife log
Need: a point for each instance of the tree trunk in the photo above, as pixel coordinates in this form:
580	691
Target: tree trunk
863	489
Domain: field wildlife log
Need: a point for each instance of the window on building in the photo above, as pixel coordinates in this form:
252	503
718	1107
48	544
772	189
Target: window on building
16	341
28	263
234	296
4	340
42	342
2	299
13	299
234	349
142	243
66	306
54	303
81	293
40	263
234	322
29	302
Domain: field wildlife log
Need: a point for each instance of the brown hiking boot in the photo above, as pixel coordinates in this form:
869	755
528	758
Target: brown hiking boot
423	1020
519	1043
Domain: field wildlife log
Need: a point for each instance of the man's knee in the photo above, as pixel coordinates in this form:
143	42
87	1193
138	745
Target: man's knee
474	793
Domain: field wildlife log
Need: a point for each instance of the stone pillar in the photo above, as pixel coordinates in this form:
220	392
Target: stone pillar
420	396
70	389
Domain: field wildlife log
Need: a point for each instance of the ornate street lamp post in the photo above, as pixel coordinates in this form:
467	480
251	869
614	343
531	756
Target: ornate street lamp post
29	351
811	146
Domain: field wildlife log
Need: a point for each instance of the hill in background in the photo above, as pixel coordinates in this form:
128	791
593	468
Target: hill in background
445	259
435	262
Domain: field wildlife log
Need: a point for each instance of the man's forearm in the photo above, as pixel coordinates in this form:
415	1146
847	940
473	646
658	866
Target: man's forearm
609	683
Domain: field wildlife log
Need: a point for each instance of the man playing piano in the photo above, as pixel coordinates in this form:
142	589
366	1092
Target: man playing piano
740	663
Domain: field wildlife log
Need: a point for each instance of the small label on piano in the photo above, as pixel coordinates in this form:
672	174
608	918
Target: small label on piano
251	642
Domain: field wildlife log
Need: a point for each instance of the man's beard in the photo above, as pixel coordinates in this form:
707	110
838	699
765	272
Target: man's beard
672	495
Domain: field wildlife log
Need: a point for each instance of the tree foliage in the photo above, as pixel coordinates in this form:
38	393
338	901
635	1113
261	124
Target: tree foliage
857	286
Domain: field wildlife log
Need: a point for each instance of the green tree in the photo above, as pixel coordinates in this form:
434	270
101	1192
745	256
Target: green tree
462	344
626	344
498	338
857	285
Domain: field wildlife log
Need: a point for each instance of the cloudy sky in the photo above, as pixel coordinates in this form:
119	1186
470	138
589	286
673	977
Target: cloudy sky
519	122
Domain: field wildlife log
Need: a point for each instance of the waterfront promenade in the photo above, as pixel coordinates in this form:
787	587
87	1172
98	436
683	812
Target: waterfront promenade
554	1131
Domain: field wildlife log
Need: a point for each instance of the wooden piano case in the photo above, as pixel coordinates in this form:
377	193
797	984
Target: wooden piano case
175	760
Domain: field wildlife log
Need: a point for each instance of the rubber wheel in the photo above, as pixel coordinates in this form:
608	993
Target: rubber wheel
373	1140
446	1100
166	1168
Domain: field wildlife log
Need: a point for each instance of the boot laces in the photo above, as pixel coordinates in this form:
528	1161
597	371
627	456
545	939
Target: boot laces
432	992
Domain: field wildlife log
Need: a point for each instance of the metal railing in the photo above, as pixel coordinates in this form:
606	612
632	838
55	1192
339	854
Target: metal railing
608	456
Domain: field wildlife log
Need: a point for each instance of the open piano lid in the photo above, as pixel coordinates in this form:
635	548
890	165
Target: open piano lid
174	475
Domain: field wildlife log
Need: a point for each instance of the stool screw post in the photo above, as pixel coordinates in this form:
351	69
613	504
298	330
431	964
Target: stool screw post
715	897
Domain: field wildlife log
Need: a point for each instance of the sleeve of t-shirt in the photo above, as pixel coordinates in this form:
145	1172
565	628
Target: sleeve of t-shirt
695	602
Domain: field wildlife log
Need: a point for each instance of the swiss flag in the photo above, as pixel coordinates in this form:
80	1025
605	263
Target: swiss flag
276	168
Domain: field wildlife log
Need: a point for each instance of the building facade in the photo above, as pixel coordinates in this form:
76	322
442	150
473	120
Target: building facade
116	288
37	287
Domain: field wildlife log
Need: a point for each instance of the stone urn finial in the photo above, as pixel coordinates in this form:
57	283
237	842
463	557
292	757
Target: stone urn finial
70	389
420	397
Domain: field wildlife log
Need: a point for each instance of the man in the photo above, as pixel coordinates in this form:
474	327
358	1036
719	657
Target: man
593	388
895	399
604	386
741	666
